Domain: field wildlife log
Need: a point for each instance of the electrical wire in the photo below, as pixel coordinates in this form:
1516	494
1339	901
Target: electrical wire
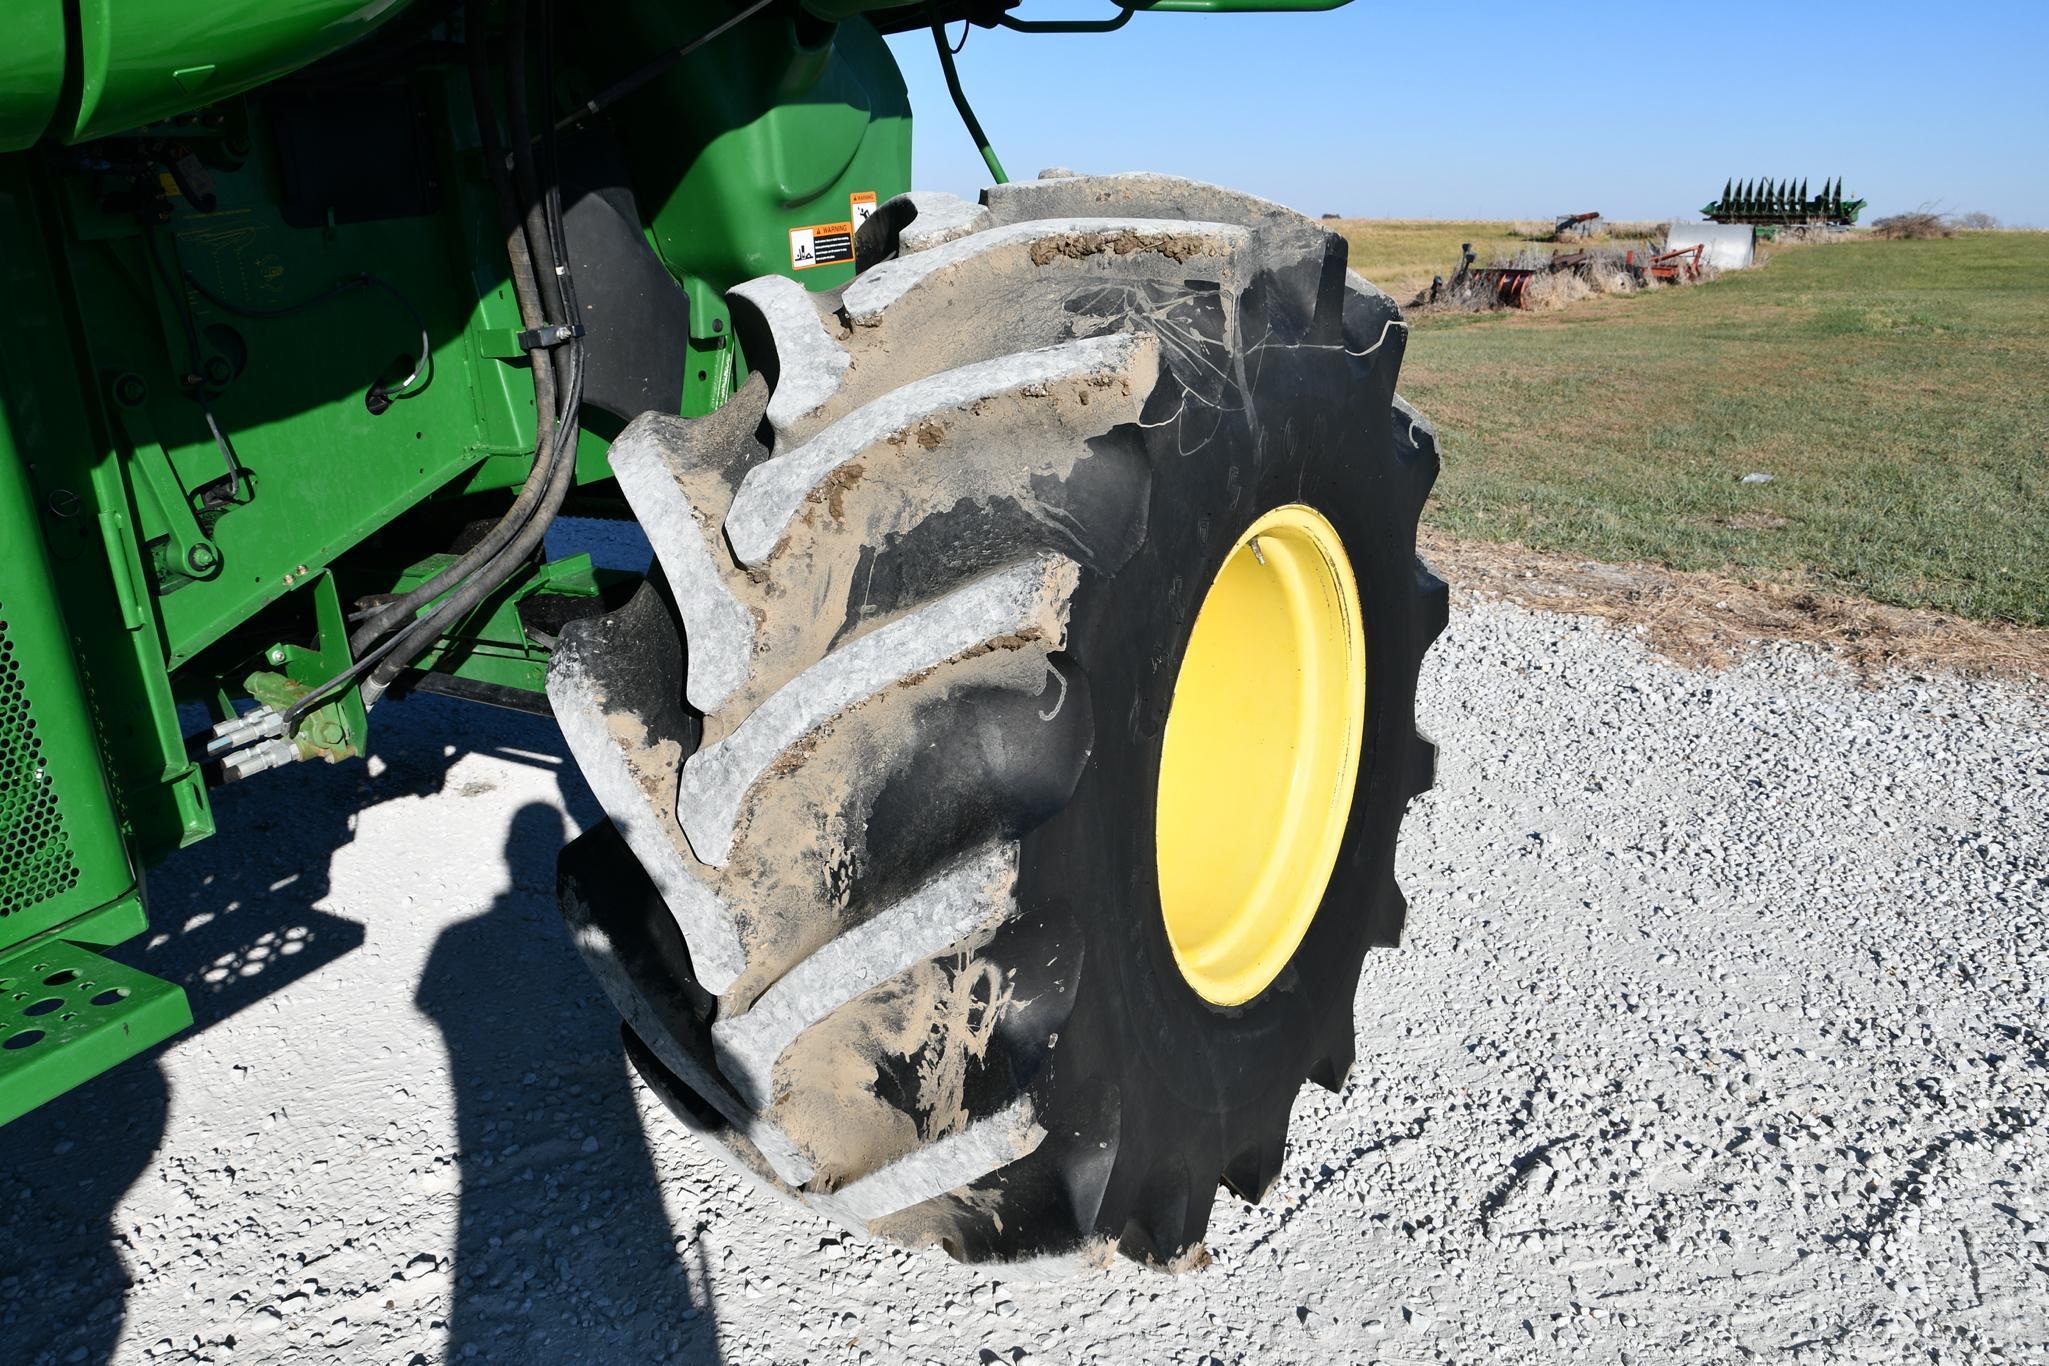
403	648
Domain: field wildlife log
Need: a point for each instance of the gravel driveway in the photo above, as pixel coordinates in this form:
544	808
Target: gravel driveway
1720	1034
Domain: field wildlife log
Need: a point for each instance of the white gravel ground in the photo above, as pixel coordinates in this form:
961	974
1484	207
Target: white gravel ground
1719	1035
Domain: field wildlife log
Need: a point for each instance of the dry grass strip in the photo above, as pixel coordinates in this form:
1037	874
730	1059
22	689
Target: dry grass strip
1707	621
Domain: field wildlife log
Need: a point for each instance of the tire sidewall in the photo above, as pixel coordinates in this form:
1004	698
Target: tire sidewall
1312	429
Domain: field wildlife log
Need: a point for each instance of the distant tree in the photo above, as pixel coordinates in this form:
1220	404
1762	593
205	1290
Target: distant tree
1977	222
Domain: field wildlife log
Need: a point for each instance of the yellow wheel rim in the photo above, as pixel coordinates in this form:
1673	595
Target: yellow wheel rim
1261	754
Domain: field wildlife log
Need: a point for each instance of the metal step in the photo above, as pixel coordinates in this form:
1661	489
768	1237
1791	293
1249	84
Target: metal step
67	1014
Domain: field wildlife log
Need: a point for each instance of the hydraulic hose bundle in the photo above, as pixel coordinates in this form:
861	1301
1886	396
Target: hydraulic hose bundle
390	636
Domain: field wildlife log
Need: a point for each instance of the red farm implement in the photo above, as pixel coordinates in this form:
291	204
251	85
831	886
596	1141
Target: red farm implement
1508	285
1669	267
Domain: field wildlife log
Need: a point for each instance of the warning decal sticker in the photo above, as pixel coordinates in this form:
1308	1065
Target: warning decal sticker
821	244
861	207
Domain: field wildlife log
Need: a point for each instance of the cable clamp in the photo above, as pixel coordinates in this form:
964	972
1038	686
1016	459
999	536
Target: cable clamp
547	335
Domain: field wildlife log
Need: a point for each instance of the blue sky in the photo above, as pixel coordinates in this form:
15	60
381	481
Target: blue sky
1392	108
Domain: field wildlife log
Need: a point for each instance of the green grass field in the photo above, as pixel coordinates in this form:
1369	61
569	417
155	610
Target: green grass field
1895	391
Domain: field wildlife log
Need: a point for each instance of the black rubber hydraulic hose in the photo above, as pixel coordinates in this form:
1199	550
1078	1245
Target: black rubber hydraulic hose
390	615
546	243
413	641
557	233
540	241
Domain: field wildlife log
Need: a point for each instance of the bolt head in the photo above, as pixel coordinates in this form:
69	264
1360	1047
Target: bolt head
201	558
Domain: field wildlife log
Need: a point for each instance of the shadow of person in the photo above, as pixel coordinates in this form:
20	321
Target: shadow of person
563	1247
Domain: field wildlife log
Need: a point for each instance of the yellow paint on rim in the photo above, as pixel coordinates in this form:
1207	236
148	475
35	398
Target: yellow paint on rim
1261	754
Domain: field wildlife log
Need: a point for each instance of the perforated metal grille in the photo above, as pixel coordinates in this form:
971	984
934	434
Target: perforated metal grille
35	850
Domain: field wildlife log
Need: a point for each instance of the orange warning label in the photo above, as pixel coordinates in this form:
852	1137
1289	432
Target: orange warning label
821	244
861	207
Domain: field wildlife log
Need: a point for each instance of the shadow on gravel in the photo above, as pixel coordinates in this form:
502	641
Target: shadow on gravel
231	920
62	1280
563	1248
578	1230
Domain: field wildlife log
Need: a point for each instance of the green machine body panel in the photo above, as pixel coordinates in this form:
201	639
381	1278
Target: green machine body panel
288	384
67	1013
68	871
133	61
141	60
803	129
31	72
61	844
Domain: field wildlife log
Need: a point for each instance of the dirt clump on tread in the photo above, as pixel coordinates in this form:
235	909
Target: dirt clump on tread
797	753
832	490
1076	246
1013	640
929	433
1711	621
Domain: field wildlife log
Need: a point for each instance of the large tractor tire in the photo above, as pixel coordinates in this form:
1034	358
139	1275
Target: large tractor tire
1005	764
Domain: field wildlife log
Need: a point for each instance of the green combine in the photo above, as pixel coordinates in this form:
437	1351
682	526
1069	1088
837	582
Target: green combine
1003	751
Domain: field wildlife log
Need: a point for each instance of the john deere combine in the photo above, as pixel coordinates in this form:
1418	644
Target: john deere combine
1005	749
